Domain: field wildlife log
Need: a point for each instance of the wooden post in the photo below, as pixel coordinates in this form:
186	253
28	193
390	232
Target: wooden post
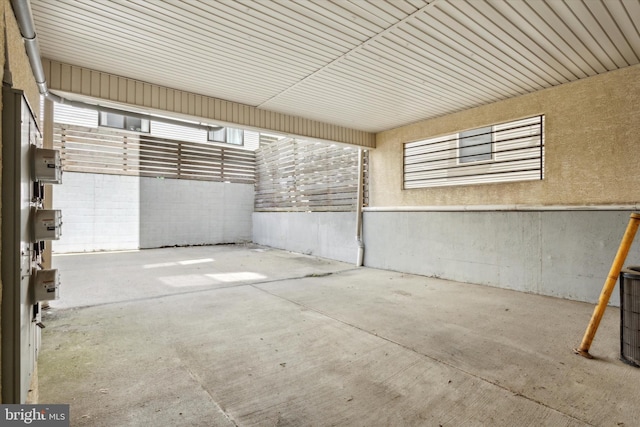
47	142
609	284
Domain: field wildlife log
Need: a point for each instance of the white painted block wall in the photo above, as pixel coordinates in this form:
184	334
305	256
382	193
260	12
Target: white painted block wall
182	212
113	212
99	212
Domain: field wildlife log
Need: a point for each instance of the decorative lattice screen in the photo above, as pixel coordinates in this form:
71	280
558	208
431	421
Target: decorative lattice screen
299	176
99	150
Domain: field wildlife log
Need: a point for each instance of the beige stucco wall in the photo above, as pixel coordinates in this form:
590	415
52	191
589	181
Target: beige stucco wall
18	60
22	79
592	142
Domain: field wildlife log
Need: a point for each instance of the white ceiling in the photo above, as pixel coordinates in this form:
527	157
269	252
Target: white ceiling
365	64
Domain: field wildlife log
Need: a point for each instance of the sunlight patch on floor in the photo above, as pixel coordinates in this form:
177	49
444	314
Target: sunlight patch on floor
173	264
236	277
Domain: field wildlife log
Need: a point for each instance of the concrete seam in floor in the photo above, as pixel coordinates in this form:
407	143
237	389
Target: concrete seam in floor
239	285
201	384
344	322
256	285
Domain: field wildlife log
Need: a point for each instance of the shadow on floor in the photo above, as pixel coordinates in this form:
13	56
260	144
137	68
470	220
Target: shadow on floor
246	335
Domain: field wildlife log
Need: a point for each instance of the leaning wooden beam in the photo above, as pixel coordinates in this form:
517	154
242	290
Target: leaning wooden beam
609	284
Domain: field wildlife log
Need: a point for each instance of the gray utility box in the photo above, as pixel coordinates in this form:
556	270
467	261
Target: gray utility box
47	167
630	315
45	284
46	224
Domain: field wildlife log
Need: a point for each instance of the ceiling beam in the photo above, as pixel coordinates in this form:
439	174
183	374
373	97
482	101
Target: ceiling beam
96	84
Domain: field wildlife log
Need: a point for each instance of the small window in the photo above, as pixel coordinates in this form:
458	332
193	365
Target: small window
502	152
218	135
475	145
229	135
235	136
120	121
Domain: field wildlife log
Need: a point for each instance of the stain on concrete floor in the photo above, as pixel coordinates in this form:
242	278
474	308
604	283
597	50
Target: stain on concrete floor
301	346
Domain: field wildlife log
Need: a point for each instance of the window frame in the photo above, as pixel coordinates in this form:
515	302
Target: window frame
226	129
468	159
517	155
103	117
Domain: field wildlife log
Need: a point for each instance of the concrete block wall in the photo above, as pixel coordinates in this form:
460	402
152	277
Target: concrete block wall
112	212
182	212
564	254
324	234
99	212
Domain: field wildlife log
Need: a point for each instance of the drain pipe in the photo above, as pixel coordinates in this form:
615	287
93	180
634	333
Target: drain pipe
360	260
24	16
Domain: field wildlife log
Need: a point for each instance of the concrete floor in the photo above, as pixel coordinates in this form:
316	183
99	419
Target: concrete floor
244	335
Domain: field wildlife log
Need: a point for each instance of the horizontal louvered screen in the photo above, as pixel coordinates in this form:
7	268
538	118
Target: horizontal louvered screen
98	150
511	151
302	176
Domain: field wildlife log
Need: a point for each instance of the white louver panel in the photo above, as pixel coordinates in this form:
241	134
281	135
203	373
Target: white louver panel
173	131
251	140
515	152
75	116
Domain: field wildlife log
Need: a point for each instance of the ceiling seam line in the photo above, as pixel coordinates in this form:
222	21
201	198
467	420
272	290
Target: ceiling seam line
358	48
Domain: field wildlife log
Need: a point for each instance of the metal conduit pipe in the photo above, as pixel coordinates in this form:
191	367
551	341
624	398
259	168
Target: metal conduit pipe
360	259
24	17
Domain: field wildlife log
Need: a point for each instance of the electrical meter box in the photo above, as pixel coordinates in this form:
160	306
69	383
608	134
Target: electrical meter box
47	167
46	284
47	224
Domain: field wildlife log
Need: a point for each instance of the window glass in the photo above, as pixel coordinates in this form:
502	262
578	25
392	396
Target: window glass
475	145
133	123
502	152
112	120
217	135
120	121
234	136
229	135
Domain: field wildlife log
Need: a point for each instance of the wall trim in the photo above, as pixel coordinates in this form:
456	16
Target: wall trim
504	208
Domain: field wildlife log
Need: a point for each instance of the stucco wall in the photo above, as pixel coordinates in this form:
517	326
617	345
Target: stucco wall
18	60
591	146
591	143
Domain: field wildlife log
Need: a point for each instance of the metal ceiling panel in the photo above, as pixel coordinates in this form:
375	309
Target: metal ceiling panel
365	64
